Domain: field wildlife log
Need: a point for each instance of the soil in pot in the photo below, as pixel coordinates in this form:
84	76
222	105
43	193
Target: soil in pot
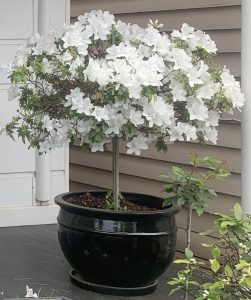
89	200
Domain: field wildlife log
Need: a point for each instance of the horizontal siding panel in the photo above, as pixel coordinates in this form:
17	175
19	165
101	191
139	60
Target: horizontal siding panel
199	223
133	6
179	153
79	187
205	19
230	136
236	116
231	60
145	169
227	40
196	241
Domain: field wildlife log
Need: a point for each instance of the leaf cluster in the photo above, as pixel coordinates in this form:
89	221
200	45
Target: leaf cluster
228	273
191	188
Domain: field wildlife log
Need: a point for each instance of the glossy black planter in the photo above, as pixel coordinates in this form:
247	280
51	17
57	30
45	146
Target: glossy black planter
117	252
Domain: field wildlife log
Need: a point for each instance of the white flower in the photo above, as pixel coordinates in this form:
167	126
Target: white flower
66	57
232	89
115	122
83	127
99	71
182	130
98	146
101	113
197	73
157	111
77	37
178	91
48	123
48	67
78	102
202	40
205	293
210	134
29	293
136	117
83	105
186	32
181	59
208	90
98	23
197	109
13	92
137	144
212	119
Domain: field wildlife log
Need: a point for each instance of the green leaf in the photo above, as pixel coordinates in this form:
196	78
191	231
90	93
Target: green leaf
228	271
168	188
181	261
241	265
188	253
238	212
212	192
172	282
215	253
215	265
248	281
207	245
174	290
248	244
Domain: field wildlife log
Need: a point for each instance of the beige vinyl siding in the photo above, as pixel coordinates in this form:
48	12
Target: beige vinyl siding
222	20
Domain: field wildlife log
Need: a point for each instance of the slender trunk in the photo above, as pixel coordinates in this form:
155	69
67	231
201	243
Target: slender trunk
115	170
189	226
189	229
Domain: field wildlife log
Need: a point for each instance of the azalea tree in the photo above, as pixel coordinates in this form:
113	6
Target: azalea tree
103	80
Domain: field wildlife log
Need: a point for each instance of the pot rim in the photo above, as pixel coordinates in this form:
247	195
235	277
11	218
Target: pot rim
59	200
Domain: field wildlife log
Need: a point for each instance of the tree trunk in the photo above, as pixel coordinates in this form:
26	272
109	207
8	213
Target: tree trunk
115	170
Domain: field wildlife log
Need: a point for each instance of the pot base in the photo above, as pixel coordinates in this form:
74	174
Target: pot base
77	279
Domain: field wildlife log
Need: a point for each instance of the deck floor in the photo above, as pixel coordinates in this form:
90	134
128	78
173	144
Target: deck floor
31	256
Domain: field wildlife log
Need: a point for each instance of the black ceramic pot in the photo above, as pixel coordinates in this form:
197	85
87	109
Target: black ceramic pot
117	252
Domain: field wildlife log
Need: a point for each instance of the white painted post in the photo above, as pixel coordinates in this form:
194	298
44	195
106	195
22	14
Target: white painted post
43	162
246	113
52	14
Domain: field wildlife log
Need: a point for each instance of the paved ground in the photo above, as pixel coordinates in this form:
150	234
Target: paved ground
31	256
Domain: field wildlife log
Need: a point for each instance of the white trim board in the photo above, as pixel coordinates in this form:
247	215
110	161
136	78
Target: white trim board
23	216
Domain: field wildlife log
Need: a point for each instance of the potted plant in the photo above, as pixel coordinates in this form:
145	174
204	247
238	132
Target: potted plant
227	274
100	81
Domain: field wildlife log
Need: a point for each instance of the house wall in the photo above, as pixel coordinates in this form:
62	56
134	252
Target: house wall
222	20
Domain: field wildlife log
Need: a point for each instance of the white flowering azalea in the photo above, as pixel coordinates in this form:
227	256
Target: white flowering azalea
48	123
197	109
13	92
99	71
102	79
136	117
137	144
98	24
186	33
208	90
183	131
181	59
203	41
178	91
231	88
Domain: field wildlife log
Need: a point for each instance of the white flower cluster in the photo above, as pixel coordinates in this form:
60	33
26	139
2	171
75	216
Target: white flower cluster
103	78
